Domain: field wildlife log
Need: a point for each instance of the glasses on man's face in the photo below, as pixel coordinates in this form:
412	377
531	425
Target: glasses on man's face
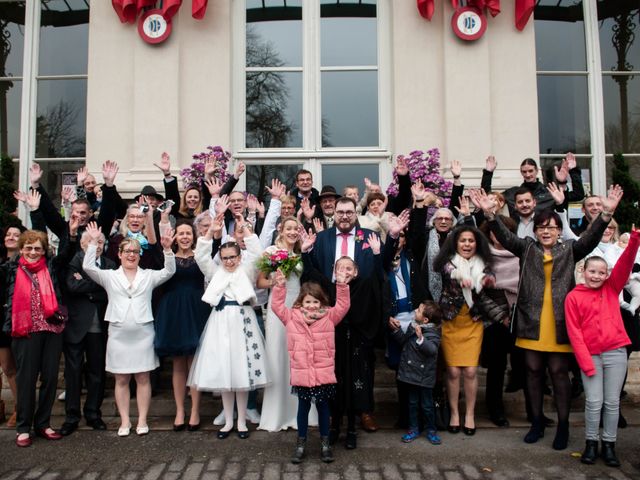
442	219
344	213
29	248
130	252
546	228
236	200
134	216
230	258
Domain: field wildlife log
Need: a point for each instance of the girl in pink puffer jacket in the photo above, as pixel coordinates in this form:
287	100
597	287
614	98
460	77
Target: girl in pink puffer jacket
310	326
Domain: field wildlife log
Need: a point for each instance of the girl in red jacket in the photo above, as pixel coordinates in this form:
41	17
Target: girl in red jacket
310	326
598	339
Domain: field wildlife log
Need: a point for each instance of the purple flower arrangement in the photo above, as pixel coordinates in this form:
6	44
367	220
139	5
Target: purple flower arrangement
426	167
193	175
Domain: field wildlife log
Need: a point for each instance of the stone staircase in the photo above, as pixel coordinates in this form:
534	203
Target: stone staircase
163	410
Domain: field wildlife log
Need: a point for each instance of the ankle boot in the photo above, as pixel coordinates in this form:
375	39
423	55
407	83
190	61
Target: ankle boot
299	452
536	432
590	453
562	436
326	455
608	454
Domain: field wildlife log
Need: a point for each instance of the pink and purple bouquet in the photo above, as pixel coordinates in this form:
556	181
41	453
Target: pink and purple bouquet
275	258
193	175
426	167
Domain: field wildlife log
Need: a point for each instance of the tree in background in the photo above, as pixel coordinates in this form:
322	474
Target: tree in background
8	204
627	213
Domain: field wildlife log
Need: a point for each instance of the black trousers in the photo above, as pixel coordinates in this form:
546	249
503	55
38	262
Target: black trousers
496	344
36	355
93	345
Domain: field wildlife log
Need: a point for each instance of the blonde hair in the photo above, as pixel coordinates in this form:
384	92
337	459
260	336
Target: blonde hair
124	225
128	241
280	241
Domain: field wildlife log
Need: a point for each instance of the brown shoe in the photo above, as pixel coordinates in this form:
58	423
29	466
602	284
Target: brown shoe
11	423
368	423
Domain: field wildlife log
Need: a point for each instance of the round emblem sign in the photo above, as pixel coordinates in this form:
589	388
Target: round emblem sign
468	23
153	27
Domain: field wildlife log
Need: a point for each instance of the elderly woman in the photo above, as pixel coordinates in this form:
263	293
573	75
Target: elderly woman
9	237
34	318
131	332
464	262
546	277
137	225
376	218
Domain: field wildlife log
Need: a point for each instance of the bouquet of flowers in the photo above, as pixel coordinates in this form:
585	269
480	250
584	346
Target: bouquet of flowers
275	258
426	167
193	175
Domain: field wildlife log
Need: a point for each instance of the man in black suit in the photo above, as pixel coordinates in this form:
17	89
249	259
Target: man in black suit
85	334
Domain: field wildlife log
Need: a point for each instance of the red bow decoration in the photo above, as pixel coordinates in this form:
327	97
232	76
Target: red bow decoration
426	7
128	10
492	5
524	9
171	7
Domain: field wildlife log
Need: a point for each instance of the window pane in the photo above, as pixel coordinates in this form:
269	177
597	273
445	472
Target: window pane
563	115
622	113
352	174
52	176
10	109
64	37
350	109
619	26
11	51
274	33
348	33
274	110
560	43
260	175
634	167
61	118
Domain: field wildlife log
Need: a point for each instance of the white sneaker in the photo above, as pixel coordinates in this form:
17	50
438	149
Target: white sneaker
253	415
62	396
220	420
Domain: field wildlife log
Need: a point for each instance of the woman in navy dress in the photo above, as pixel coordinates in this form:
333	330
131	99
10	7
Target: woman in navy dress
180	319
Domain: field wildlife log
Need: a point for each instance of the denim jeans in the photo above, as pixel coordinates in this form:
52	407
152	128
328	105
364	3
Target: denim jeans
604	388
421	398
303	417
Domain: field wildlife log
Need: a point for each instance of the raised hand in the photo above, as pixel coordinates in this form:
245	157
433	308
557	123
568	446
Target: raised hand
20	196
481	200
456	168
74	223
341	276
614	195
401	166
556	193
240	168
165	164
109	172
318	226
33	200
562	172
66	192
367	184
222	204
35	174
214	186
374	242
167	238
82	174
308	240
417	191
215	229
94	231
252	203
490	163
209	167
307	210
464	207
399	223
570	158
261	209
277	188
279	278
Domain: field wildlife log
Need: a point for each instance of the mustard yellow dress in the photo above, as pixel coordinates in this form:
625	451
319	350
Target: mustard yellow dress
462	340
547	341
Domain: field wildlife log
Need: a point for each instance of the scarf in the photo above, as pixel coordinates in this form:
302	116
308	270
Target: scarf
142	240
471	269
506	267
311	316
434	278
236	285
40	288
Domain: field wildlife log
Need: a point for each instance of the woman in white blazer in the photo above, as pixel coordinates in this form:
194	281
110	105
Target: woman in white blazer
131	331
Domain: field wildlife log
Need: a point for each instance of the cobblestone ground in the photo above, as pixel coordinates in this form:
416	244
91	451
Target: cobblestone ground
490	454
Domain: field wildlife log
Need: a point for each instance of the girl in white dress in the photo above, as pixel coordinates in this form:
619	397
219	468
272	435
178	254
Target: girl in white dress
279	405
230	358
131	333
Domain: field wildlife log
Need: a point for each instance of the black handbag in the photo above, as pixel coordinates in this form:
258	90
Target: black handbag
441	407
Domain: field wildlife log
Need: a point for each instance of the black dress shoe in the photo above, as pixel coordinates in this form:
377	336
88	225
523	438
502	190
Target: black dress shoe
453	429
222	435
68	428
179	428
351	441
96	424
500	421
470	432
243	435
193	428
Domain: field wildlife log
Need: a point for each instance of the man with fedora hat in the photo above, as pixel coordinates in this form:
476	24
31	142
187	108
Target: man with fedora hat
324	214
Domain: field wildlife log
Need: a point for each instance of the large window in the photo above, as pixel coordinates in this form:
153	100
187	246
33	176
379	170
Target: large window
588	62
43	85
313	86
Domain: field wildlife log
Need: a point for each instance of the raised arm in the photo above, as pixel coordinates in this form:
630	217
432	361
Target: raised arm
622	269
101	277
160	276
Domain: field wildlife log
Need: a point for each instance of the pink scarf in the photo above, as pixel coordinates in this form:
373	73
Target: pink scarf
506	267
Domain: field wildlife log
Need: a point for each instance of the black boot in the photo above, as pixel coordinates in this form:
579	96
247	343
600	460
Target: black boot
608	454
590	453
536	432
326	455
351	441
299	452
562	436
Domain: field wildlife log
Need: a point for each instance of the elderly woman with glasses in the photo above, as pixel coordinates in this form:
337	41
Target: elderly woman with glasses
546	277
131	331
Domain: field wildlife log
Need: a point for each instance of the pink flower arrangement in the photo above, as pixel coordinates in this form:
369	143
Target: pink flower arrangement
426	167
359	236
193	175
275	258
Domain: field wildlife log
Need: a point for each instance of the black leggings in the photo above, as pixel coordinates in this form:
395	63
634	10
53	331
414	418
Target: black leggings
558	365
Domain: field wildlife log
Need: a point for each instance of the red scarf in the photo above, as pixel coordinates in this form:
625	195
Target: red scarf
21	319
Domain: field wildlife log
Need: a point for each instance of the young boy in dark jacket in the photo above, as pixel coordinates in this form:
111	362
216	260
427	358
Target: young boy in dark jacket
417	369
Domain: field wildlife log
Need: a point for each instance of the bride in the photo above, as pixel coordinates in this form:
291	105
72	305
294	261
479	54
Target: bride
279	405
